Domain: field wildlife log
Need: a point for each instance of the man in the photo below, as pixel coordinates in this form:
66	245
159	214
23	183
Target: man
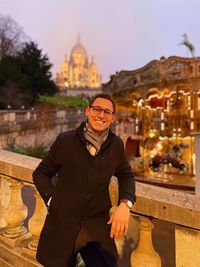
78	206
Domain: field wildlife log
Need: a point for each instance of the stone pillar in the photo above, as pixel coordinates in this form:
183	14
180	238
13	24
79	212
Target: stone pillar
4	198
1	206
197	162
187	247
15	214
28	115
35	225
145	255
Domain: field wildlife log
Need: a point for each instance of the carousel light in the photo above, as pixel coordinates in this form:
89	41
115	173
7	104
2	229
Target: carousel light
168	105
153	153
152	133
140	102
193	161
158	147
192	125
174	132
198	102
189	100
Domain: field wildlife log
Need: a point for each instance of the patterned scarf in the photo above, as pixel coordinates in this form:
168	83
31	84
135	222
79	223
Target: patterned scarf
94	140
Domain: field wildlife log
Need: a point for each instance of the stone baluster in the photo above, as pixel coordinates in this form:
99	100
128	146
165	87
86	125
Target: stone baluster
4	198
197	165
35	225
187	242
145	255
15	214
1	205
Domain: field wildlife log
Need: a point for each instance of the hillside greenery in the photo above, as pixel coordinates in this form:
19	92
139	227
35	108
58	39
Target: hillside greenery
65	101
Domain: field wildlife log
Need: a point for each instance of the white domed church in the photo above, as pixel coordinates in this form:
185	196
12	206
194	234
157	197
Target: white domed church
77	72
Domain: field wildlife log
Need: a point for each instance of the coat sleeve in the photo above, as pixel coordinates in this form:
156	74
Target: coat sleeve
125	177
48	167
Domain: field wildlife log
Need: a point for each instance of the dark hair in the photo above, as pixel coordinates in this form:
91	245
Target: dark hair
106	96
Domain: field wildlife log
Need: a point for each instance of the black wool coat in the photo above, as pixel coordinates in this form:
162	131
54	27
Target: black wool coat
81	195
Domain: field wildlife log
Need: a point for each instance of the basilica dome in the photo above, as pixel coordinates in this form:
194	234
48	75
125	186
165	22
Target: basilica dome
78	49
79	55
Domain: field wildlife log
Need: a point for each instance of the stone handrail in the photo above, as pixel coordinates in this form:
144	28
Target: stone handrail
20	116
180	208
17	166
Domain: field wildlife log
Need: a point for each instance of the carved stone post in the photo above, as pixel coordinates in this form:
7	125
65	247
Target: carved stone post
35	225
1	206
187	247
15	214
197	165
145	255
4	198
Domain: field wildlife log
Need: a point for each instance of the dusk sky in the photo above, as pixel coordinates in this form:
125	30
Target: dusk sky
121	34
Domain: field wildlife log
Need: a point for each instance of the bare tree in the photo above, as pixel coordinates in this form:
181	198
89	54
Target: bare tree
11	96
11	36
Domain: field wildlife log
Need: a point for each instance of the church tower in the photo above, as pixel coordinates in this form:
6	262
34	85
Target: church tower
94	79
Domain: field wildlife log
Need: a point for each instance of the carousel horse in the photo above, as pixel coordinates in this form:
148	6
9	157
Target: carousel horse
173	158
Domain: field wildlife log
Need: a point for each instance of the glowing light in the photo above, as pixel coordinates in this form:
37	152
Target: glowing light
158	147
189	100
152	133
194	163
66	84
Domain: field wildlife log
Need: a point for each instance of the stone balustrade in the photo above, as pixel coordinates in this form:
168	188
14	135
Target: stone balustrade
19	233
27	128
18	116
15	116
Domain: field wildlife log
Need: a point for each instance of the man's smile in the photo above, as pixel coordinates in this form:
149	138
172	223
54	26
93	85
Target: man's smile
100	122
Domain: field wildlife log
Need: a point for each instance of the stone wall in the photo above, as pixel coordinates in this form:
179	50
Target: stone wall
36	132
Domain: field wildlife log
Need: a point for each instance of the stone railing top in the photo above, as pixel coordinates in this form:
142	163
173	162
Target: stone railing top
178	207
168	196
17	166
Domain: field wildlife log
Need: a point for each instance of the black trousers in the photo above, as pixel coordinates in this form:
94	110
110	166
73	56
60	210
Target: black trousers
91	252
94	256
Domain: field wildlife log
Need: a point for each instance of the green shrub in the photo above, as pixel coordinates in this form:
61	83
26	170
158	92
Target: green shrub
39	151
66	101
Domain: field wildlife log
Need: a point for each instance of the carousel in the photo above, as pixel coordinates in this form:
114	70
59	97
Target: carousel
161	144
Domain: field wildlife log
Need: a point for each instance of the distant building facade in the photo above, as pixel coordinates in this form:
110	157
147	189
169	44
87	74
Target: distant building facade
78	72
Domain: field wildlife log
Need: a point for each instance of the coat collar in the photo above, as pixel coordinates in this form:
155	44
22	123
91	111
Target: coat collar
108	141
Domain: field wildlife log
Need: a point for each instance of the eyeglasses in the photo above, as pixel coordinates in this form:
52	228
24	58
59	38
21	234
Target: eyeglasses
97	110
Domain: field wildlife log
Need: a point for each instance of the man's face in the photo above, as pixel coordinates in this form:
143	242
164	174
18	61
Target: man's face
100	115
